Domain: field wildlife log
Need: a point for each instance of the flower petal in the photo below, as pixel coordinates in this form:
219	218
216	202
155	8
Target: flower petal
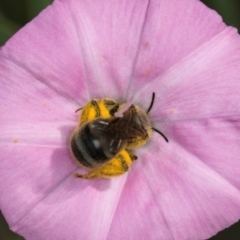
109	32
173	195
31	112
198	104
48	48
92	43
185	198
204	84
76	209
30	173
215	141
172	30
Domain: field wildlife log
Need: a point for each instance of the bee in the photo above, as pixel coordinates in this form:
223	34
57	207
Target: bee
104	143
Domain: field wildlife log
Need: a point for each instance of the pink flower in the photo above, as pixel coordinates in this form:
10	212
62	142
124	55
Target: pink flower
75	51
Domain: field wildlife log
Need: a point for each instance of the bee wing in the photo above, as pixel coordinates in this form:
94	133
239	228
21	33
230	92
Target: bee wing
110	140
113	133
127	126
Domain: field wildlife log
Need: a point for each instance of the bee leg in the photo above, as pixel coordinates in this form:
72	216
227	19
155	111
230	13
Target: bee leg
96	173
137	142
115	167
77	175
132	156
86	176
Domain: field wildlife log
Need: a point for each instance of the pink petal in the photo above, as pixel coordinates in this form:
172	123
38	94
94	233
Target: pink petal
29	174
32	113
76	50
109	32
74	210
172	30
69	49
48	49
203	84
214	141
198	103
173	195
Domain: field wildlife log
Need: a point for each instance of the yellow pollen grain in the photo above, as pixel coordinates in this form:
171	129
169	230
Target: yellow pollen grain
15	140
147	43
172	111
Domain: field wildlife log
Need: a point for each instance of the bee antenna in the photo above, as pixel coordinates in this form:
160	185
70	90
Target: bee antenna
150	107
78	109
160	134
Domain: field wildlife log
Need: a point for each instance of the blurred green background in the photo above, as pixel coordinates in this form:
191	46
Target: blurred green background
14	14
